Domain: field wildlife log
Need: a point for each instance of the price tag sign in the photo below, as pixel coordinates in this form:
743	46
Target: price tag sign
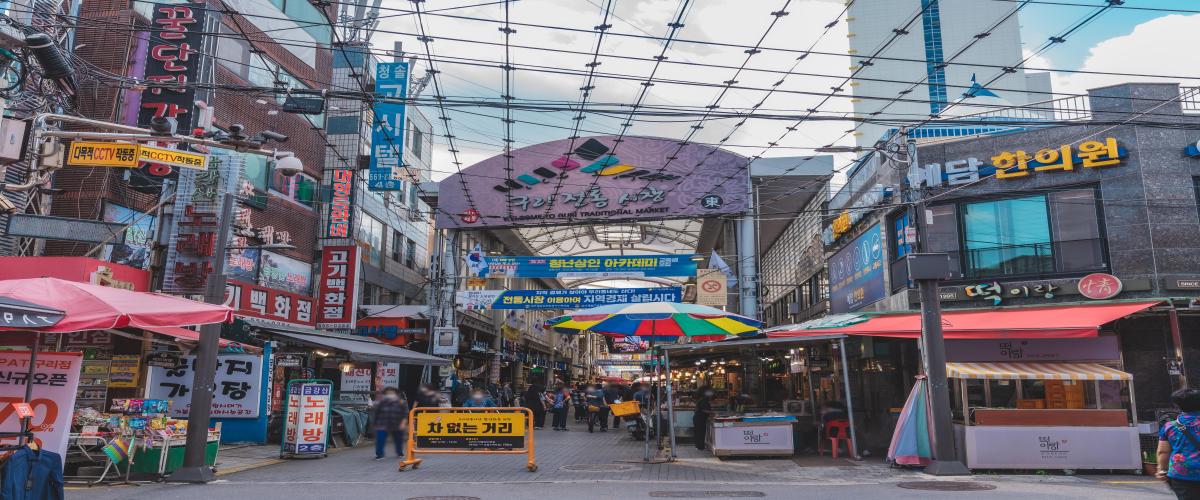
23	410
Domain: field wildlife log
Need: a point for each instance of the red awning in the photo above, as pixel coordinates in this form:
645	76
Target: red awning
1063	321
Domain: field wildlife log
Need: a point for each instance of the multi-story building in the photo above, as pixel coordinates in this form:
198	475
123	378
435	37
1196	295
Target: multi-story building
921	47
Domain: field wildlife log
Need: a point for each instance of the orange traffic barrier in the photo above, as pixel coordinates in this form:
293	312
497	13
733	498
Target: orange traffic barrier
503	431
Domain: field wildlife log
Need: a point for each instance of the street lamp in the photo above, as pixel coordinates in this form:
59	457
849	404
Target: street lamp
204	371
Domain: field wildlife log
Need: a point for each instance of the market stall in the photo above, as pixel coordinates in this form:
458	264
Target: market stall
767	392
1018	415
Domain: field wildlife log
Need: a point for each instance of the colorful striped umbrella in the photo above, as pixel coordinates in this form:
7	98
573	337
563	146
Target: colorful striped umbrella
658	320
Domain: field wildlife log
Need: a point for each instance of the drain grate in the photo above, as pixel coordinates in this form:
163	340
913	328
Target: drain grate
707	494
946	486
443	498
598	467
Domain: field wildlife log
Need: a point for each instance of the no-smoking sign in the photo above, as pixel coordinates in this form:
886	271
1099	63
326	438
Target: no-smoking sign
711	286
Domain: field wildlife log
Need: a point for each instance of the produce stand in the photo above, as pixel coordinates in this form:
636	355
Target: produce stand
1044	416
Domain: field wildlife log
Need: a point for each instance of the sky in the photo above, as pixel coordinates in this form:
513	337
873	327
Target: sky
1122	40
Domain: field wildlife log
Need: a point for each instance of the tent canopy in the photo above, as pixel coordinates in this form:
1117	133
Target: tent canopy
1035	371
1078	320
94	307
361	348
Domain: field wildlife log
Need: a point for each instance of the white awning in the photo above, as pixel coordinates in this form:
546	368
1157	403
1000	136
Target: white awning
1035	371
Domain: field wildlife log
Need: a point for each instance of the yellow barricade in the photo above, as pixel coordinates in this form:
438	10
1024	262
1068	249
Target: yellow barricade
469	431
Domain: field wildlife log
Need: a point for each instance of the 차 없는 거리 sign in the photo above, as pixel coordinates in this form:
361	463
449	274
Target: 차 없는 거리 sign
469	430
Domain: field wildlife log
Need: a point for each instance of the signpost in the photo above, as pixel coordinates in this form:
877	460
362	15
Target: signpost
470	431
306	430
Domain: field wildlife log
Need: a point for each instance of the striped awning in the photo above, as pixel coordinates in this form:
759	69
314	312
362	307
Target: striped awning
1035	371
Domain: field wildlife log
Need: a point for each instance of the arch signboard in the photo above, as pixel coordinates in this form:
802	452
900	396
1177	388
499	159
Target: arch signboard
589	179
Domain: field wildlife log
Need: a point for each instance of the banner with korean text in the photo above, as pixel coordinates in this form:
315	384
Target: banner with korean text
238	386
268	304
337	296
468	430
306	428
55	380
579	298
607	266
387	133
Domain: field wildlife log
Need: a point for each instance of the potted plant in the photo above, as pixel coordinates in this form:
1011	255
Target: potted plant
1149	463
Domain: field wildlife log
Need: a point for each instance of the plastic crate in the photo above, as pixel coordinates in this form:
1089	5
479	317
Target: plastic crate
624	409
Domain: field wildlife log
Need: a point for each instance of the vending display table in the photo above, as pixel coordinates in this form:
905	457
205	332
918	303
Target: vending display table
753	435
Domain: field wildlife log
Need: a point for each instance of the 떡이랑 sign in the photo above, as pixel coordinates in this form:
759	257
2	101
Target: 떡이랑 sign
238	382
469	430
306	429
55	379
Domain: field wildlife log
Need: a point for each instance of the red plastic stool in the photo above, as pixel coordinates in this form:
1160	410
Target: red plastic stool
835	431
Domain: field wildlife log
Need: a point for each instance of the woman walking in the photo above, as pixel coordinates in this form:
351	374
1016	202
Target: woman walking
1179	447
559	406
389	418
534	399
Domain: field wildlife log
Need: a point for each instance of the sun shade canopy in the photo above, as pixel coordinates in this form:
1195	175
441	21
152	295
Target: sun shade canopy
94	307
363	348
1035	371
1059	321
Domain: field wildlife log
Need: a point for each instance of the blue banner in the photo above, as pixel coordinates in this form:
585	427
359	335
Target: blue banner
609	266
387	133
579	298
856	273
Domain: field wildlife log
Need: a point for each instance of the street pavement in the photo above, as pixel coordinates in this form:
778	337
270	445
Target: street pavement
579	465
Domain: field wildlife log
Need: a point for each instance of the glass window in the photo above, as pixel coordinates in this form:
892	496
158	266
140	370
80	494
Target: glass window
1076	224
370	237
397	246
417	144
1007	237
410	253
300	188
233	53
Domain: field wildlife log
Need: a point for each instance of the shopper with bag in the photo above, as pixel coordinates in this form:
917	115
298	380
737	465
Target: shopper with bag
597	409
1179	447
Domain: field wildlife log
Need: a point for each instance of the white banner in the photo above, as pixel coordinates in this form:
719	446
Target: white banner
356	380
238	382
387	375
765	439
53	402
1033	447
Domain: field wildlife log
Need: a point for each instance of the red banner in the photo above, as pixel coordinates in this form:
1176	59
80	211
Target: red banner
278	306
337	298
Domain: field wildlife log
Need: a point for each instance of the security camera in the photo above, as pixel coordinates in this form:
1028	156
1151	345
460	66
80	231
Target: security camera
274	136
164	126
288	165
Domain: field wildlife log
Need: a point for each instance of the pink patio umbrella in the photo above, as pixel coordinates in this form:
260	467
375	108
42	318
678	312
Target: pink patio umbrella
94	307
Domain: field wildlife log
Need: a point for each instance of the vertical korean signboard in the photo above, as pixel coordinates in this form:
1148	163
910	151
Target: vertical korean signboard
341	203
306	429
197	217
173	64
338	288
856	273
387	133
54	383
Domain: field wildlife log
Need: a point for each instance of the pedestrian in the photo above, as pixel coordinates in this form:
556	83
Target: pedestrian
577	397
460	392
701	417
479	399
534	400
559	406
389	417
595	407
1179	447
612	395
506	394
427	397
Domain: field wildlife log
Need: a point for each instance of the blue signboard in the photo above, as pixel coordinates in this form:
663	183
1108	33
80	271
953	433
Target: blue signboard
856	273
610	266
387	133
580	298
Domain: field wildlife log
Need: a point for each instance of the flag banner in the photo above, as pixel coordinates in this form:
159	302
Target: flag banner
564	299
607	266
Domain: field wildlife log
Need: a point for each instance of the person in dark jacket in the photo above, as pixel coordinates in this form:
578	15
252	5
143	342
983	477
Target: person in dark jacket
389	416
594	398
427	397
700	419
534	399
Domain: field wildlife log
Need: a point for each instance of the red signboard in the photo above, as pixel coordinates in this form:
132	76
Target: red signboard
269	304
341	203
81	269
1099	286
338	288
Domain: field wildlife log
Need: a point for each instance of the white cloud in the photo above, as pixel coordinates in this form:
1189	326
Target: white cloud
1165	45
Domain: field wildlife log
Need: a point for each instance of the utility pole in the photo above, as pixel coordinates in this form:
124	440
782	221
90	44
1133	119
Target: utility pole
927	269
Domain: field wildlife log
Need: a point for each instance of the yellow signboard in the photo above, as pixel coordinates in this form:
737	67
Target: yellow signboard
470	430
173	157
103	154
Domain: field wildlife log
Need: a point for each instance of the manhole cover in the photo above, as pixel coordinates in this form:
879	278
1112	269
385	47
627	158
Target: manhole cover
946	486
443	498
598	467
707	494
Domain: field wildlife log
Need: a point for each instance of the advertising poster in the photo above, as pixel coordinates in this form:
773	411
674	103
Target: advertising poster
856	273
470	430
238	382
579	298
356	380
610	266
588	179
387	375
307	425
54	383
285	273
139	237
387	133
242	264
123	370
